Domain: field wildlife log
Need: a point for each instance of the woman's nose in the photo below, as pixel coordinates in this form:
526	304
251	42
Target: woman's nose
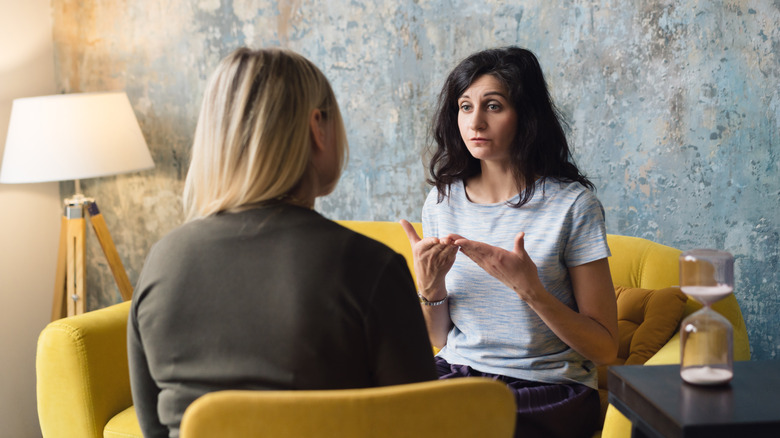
477	122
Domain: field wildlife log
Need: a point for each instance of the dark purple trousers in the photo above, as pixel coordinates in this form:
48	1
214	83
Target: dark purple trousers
544	410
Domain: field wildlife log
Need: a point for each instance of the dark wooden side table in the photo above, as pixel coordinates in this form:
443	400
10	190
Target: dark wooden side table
660	404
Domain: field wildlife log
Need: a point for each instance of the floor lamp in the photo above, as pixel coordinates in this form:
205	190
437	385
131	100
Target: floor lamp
72	137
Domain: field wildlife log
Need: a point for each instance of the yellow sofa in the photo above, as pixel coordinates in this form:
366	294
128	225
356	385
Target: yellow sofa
83	386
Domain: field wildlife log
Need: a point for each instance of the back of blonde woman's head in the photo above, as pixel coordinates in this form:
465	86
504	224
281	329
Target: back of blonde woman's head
253	141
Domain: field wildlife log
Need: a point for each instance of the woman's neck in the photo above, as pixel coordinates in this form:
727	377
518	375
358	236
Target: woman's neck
496	183
302	195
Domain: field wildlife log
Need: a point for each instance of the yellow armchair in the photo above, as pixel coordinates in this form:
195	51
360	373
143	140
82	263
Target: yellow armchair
484	408
83	387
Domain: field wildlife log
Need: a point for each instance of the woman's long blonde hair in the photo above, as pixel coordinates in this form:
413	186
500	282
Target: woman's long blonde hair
253	140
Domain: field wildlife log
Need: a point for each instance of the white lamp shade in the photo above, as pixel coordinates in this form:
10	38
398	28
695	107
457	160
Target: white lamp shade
71	137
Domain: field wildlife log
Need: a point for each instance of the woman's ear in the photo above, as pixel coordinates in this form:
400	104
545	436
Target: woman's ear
317	128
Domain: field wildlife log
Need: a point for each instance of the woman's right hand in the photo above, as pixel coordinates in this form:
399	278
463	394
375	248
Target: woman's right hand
433	258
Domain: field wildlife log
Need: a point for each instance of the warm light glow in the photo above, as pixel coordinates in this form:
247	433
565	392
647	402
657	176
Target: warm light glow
71	137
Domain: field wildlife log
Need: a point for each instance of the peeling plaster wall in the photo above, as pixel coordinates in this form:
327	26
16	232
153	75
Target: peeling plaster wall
674	109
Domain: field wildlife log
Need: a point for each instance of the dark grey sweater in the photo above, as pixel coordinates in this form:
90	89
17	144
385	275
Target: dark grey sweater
271	298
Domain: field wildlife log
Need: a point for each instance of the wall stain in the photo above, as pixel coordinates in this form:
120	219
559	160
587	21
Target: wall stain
288	10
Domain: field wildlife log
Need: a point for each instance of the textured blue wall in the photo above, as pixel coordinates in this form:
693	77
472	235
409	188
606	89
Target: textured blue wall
674	108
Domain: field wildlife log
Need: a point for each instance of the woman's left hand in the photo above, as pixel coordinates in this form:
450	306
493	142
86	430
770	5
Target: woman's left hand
513	268
591	330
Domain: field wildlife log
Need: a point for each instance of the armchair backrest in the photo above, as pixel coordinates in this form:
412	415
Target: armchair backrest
638	262
455	408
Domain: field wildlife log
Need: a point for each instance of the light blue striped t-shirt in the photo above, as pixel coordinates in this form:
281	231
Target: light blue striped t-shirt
494	330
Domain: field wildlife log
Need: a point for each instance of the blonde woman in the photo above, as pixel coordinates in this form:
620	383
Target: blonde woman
257	290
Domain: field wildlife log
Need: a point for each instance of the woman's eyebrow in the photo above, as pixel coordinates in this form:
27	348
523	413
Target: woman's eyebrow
489	93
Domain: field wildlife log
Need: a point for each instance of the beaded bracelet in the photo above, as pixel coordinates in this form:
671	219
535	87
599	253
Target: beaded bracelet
425	302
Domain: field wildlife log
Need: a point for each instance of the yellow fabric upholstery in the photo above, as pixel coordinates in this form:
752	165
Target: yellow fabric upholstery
83	384
82	373
123	425
468	407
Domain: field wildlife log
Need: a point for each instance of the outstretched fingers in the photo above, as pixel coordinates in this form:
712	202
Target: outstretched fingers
513	268
411	233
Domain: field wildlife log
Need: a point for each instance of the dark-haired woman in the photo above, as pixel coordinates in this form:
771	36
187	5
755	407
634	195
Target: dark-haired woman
532	302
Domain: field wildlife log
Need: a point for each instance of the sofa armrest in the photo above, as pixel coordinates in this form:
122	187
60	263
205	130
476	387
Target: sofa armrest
82	372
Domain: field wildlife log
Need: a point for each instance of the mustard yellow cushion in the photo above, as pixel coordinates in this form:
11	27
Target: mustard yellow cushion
647	319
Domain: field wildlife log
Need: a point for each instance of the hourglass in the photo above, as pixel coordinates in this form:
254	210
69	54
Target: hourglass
706	337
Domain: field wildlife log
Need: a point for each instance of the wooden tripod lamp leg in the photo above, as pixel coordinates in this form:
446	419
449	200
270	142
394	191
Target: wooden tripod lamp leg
59	308
76	272
71	275
114	262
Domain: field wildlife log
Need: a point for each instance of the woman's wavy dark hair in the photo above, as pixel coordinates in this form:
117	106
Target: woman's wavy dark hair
539	149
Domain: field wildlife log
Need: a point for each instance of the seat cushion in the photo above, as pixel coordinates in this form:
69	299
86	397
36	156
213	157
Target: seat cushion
123	425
